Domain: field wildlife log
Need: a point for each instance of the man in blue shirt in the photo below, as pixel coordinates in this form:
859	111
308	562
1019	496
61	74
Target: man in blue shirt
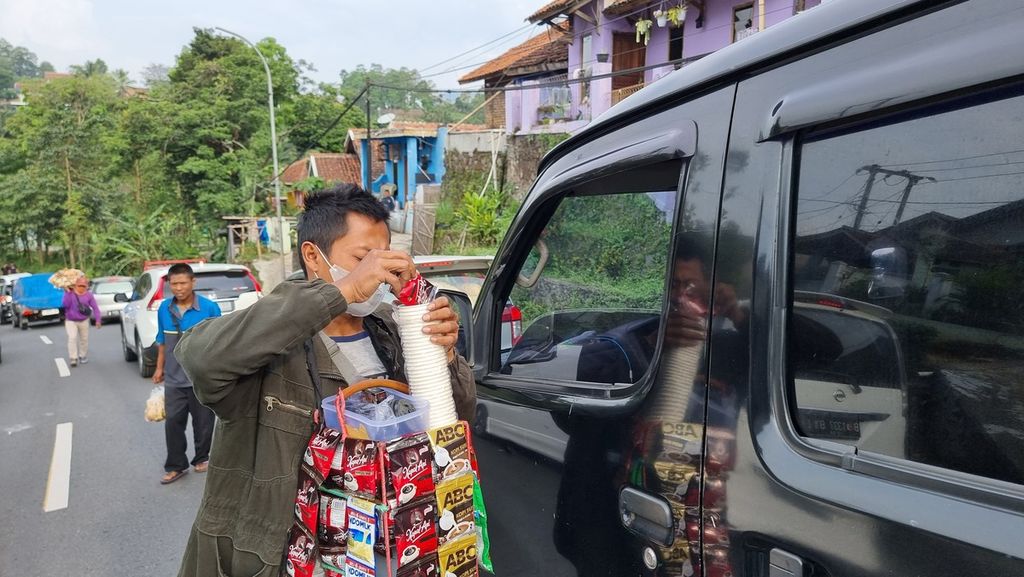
177	315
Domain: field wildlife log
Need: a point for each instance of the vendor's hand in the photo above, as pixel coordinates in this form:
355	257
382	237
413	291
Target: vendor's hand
158	376
97	324
445	331
684	327
378	266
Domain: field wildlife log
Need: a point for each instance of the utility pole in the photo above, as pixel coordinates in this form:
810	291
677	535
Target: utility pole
369	144
873	171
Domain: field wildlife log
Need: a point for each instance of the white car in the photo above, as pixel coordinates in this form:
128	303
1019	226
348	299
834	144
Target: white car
6	300
231	286
849	373
106	289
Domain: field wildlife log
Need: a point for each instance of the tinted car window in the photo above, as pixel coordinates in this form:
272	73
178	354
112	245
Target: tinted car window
113	288
142	287
593	310
921	221
219	285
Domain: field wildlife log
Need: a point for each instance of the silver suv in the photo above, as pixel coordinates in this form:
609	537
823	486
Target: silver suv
231	286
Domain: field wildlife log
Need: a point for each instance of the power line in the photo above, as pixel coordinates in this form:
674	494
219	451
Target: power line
471	50
953	159
532	86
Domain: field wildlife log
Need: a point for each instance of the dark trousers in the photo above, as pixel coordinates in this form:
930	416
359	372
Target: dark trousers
180	402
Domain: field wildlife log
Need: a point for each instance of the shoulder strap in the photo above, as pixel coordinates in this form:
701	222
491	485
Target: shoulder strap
174	317
314	370
341	362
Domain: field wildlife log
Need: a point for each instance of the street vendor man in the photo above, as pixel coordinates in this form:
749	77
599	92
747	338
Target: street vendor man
254	368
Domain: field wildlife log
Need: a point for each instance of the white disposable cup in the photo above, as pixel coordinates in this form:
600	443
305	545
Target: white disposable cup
426	365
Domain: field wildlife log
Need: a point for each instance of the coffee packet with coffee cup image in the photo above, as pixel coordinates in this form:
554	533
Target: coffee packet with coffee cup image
410	465
459	557
428	566
455	508
415	531
360	475
451	448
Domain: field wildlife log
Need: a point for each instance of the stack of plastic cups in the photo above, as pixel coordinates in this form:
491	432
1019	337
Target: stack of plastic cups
673	390
426	366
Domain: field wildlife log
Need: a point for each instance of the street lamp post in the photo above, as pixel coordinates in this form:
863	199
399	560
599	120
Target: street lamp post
273	146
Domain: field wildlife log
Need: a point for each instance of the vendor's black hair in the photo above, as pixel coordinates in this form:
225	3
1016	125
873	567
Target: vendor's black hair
323	220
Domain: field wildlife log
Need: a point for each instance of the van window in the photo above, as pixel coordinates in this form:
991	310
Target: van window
906	336
593	309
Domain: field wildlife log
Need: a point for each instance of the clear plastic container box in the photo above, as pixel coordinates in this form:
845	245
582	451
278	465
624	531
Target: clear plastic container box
362	427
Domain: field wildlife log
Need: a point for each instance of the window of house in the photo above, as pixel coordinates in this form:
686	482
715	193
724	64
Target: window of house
743	22
906	336
586	51
586	64
675	43
592	309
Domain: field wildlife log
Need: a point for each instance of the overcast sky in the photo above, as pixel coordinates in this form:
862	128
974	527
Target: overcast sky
332	34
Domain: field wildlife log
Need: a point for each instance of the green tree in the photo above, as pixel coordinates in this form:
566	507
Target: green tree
311	116
61	136
408	95
22	60
91	68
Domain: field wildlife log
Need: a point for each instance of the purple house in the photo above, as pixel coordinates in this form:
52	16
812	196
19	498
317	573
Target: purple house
619	46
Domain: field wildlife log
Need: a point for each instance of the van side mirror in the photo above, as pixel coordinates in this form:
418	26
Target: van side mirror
464	308
120	298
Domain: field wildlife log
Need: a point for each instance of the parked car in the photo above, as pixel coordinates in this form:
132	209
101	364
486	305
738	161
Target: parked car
106	288
35	300
739	330
231	286
6	300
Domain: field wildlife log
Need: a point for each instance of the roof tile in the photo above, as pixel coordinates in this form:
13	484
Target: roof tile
550	46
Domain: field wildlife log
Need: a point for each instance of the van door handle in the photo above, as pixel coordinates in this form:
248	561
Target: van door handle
647	515
784	564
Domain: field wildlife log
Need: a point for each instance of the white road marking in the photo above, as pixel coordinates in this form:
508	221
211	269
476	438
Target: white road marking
46	339
62	367
58	484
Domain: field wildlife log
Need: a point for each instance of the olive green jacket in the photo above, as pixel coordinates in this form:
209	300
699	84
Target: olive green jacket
250	368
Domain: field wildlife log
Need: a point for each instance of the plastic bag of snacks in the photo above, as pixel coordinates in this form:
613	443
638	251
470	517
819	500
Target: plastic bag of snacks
155	410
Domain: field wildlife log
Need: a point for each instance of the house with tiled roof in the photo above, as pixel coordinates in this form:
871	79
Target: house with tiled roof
329	167
614	48
542	58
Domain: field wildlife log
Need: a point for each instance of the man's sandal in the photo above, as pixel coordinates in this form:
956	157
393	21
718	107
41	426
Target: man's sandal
172	476
201	467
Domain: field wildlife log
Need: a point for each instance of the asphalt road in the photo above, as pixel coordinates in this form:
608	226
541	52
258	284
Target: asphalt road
119	520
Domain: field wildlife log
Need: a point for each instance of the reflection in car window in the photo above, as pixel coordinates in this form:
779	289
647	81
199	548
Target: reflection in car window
907	332
593	313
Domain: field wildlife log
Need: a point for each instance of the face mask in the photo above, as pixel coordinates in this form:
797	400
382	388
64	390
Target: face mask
382	294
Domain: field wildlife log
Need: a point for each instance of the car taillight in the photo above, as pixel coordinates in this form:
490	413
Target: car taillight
255	283
158	296
27	312
514	316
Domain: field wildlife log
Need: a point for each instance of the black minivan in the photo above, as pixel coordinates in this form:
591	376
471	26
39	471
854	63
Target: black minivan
773	305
